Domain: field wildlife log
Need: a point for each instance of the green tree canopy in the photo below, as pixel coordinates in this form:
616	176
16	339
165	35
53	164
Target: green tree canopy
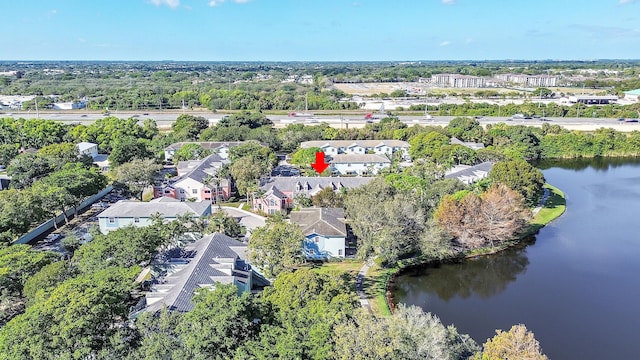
520	176
137	175
127	149
191	152
275	247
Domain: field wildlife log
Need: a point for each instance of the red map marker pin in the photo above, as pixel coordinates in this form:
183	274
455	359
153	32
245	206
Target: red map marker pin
320	165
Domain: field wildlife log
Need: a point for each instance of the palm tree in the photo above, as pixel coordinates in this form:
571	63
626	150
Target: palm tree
213	183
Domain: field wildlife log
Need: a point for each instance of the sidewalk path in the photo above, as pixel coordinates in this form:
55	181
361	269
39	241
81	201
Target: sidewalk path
364	301
543	200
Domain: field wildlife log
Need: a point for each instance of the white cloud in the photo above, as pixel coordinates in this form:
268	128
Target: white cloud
445	43
624	2
213	3
451	2
170	3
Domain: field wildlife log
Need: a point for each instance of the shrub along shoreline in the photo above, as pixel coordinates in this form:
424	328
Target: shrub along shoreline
384	278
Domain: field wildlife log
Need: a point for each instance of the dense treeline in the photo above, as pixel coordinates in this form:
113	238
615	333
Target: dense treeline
255	86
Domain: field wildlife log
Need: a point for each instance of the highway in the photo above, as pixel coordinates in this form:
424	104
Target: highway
166	118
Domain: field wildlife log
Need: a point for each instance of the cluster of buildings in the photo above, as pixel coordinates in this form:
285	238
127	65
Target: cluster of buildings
467	81
217	258
458	81
529	80
15	102
360	157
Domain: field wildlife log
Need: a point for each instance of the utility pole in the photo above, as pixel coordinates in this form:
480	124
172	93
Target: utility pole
540	102
37	112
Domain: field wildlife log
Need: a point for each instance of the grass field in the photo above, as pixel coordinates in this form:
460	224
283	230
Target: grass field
375	286
552	208
347	266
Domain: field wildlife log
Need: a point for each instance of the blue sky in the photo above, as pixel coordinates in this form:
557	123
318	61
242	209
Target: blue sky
319	30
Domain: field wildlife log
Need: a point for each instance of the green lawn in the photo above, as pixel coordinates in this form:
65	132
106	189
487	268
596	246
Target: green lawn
347	266
375	286
552	209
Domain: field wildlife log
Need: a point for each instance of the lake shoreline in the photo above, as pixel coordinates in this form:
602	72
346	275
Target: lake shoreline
528	237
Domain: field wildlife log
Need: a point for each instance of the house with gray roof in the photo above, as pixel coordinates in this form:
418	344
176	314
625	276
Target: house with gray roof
213	259
307	186
469	144
197	181
469	174
359	164
379	147
221	148
140	214
325	232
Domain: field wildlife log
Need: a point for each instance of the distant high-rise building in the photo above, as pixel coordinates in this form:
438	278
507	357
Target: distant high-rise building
458	81
529	80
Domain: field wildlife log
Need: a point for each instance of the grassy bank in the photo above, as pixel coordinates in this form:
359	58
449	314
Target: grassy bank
551	210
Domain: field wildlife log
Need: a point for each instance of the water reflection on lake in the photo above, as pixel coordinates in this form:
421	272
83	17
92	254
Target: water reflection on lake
576	287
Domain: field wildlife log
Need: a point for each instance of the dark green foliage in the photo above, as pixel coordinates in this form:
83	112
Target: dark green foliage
305	307
108	131
520	176
40	285
191	152
7	153
275	247
26	168
188	127
226	224
127	149
249	161
391	228
124	247
220	322
18	263
74	321
18	210
466	129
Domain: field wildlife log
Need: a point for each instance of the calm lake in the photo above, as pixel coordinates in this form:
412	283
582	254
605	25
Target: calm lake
577	287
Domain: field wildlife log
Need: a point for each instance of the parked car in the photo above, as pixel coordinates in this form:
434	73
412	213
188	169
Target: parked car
100	205
51	238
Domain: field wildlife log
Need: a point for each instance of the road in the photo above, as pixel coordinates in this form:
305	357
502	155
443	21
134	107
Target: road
164	119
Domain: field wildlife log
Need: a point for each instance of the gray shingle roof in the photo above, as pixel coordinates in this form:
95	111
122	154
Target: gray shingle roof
321	221
469	144
306	183
210	145
359	158
214	258
208	166
471	172
274	191
164	206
